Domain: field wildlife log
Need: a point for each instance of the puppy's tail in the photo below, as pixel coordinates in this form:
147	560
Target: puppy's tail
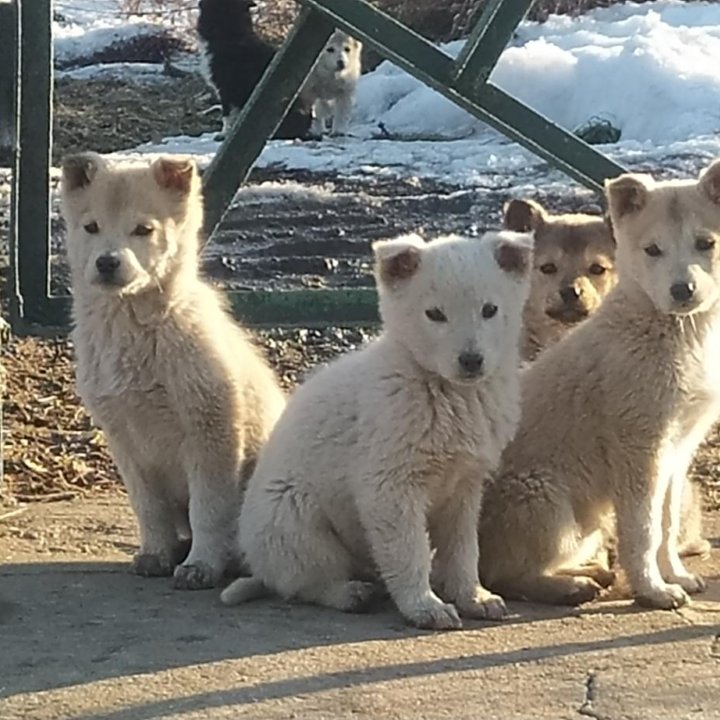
244	590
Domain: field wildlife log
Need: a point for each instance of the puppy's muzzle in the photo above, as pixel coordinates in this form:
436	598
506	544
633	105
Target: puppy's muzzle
471	364
340	65
107	267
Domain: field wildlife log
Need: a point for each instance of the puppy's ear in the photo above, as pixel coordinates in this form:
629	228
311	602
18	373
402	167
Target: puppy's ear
627	194
513	252
523	215
710	181
174	174
78	171
397	260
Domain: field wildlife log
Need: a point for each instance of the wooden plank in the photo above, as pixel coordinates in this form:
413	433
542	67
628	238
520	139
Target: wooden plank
263	113
33	178
490	36
303	308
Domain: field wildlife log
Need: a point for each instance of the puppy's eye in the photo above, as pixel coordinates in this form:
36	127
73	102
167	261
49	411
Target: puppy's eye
142	230
704	243
653	251
489	310
597	269
347	49
436	315
331	50
92	228
548	268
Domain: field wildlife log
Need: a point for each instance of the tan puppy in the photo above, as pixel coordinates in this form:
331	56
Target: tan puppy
381	456
184	399
330	88
574	269
613	414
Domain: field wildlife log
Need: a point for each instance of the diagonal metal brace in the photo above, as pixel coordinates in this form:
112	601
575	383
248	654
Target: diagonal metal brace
490	36
263	113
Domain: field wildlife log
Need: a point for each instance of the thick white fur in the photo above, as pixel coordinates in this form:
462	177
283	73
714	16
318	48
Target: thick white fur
381	456
330	88
614	413
184	399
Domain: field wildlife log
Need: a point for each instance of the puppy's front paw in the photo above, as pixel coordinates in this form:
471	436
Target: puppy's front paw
483	605
669	597
434	615
194	576
153	565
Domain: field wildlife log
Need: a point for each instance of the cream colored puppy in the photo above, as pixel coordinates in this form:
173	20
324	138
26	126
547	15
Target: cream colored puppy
184	399
381	456
613	414
330	88
574	270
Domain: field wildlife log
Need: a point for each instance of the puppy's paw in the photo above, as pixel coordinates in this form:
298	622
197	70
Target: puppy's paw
668	597
604	578
689	583
434	615
699	547
483	606
194	576
583	590
153	565
361	596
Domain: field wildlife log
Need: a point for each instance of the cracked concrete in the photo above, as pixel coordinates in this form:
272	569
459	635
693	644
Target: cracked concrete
82	639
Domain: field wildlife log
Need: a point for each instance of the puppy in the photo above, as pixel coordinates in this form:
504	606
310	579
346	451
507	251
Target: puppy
574	269
613	414
184	399
381	456
330	88
234	58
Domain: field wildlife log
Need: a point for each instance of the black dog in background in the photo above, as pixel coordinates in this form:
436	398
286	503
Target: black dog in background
234	59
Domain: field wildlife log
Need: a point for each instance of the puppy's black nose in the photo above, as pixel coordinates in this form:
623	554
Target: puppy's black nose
683	291
570	293
471	363
340	64
107	264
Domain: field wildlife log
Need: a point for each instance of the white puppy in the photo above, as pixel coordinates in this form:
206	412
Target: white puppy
184	399
330	88
391	443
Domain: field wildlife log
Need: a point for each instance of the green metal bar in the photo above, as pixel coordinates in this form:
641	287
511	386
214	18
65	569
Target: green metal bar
8	78
544	138
32	182
356	306
493	106
263	113
489	38
9	103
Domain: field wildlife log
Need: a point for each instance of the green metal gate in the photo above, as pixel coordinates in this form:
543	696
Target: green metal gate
463	80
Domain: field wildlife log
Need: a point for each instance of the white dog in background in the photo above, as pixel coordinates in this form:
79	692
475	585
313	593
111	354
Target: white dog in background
184	399
330	88
381	456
